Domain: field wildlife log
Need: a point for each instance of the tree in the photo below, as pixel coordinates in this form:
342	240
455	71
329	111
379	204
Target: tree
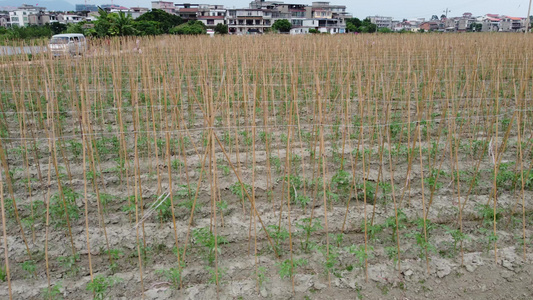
368	26
476	27
57	27
353	24
190	28
282	25
165	20
384	30
221	28
102	23
147	27
434	18
121	24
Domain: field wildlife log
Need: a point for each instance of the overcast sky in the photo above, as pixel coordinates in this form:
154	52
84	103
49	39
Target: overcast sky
398	9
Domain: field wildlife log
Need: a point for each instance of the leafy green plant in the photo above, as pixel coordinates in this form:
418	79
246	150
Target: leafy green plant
237	189
260	273
204	238
115	254
392	253
3	274
307	227
361	253
215	273
30	267
100	284
486	213
52	293
457	236
286	267
58	217
173	275
69	263
342	182
278	235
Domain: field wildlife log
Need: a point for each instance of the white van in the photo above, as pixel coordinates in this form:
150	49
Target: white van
63	44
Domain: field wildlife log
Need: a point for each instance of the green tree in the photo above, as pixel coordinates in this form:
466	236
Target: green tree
102	25
57	27
190	28
353	24
367	26
121	24
165	20
147	27
221	29
282	25
384	30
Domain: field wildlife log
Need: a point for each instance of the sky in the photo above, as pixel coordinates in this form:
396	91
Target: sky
398	9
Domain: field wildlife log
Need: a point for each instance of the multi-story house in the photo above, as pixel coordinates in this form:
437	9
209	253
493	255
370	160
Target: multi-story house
248	20
211	15
512	24
4	20
20	16
187	11
166	6
381	21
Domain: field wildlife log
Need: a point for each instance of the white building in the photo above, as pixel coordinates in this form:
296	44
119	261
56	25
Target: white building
20	16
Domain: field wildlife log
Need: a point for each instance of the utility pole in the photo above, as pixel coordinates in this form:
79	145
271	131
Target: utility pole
527	17
447	11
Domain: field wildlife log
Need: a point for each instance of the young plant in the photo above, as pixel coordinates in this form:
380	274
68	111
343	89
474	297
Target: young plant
205	239
30	267
69	264
52	293
99	286
307	227
173	275
286	267
278	236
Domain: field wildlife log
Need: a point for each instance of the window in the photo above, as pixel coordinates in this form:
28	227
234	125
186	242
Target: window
210	22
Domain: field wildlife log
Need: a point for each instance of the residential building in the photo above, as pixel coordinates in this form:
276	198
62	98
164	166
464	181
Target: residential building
42	18
4	20
136	12
164	5
431	26
187	11
68	18
20	16
381	21
211	15
248	20
512	24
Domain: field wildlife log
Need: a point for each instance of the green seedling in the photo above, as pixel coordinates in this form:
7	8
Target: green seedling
100	285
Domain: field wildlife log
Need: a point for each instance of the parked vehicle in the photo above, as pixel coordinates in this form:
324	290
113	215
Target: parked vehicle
68	44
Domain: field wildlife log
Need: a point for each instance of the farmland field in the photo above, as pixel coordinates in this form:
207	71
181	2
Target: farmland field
316	167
